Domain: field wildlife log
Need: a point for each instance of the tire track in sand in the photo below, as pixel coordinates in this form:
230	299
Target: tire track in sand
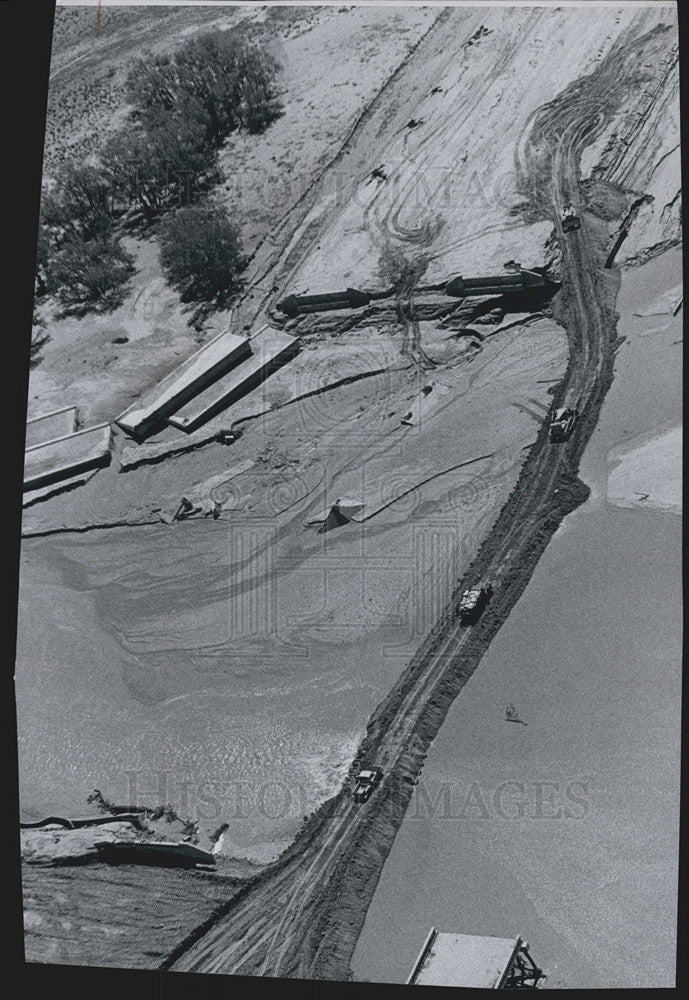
302	915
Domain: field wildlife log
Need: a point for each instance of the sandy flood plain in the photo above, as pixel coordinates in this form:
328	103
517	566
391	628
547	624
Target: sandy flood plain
248	652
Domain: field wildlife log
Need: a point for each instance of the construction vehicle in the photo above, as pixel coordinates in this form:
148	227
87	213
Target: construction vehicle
473	603
562	423
569	218
366	782
186	509
378	173
227	437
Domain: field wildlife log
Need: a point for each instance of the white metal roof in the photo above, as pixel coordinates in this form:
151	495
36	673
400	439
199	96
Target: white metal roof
466	960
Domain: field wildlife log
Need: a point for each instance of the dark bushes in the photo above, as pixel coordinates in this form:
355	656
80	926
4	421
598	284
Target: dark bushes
200	252
39	338
86	275
183	106
80	204
154	171
221	80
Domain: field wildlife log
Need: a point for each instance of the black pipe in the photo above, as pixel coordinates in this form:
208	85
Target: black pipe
460	287
351	298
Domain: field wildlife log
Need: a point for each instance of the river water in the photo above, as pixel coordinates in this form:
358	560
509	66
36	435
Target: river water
563	827
228	667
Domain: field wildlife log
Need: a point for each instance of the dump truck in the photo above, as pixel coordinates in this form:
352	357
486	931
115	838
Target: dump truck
569	219
365	783
562	423
473	603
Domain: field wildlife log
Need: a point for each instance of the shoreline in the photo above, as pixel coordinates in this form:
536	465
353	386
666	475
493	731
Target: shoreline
496	861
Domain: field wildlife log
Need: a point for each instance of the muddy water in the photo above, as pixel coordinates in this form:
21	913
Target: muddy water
141	674
241	658
563	827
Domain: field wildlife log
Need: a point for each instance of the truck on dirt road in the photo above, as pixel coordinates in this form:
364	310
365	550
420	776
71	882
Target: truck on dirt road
569	220
366	782
563	423
473	603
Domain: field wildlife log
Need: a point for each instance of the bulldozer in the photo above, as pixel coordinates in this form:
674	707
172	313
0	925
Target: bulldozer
569	219
563	423
473	603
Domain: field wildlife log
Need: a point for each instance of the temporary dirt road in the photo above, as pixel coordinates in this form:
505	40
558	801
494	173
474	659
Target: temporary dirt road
302	915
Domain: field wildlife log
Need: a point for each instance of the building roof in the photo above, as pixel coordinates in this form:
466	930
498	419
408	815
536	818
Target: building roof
466	960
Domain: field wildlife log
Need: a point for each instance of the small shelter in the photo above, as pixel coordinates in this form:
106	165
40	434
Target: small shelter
475	961
341	512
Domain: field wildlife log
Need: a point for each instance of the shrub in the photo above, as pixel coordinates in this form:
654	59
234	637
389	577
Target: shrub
152	88
43	251
221	80
89	274
39	338
260	101
168	166
80	204
183	107
201	255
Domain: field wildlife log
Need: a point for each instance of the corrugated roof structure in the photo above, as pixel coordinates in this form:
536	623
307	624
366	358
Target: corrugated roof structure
49	426
266	351
67	456
474	961
187	380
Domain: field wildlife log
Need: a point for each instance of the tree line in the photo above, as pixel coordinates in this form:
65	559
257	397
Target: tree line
157	172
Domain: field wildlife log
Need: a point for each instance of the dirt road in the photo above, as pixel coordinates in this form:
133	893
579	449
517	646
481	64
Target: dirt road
302	915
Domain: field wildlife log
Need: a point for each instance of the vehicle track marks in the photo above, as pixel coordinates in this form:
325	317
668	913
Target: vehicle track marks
303	916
